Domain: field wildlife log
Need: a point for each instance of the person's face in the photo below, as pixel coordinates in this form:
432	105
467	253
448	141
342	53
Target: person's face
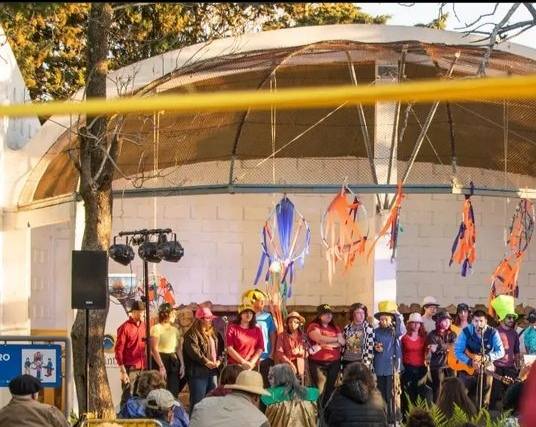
326	318
185	318
480	322
246	316
136	315
207	323
258	305
509	321
359	315
172	316
293	324
414	326
444	324
464	315
385	321
430	310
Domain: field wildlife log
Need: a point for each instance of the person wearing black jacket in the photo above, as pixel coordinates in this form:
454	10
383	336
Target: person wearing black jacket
357	402
203	348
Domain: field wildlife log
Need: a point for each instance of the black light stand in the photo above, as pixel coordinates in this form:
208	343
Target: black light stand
141	238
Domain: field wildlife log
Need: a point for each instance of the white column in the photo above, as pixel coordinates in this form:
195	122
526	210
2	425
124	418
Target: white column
385	116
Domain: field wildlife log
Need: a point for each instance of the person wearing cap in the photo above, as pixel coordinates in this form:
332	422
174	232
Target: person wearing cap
324	358
413	352
239	408
438	343
468	348
290	346
430	306
388	355
202	350
265	321
528	335
462	318
166	348
25	410
244	339
163	407
509	364
130	349
358	337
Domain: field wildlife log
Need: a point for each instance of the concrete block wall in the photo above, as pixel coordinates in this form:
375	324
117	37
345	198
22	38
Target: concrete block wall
221	237
430	224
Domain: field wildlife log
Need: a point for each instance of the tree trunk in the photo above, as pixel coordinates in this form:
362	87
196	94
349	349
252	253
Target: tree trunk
96	174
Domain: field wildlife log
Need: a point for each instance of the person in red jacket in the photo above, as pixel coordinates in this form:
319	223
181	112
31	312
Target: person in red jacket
130	349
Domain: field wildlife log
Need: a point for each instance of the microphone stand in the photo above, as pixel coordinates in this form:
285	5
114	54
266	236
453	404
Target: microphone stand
225	322
481	371
393	372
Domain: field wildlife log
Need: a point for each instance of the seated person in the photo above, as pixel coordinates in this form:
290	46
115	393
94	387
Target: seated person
228	376
289	402
357	401
134	407
162	406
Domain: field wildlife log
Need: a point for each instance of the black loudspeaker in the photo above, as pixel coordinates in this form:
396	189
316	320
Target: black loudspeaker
89	286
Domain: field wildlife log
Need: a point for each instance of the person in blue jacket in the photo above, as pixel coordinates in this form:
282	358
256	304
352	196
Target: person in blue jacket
467	349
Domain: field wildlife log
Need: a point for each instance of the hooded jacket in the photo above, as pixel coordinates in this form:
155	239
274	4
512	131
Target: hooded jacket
356	405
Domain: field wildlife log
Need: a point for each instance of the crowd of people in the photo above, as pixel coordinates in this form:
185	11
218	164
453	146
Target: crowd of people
365	373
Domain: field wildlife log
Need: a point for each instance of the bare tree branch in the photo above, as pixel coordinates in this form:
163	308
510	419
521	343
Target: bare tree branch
479	18
493	39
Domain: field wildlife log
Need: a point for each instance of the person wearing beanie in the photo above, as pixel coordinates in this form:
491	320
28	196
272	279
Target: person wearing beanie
509	364
130	349
25	410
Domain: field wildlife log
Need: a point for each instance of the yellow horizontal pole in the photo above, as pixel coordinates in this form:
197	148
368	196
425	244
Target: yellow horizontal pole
306	97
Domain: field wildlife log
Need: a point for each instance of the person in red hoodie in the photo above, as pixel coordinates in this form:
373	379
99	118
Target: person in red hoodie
130	349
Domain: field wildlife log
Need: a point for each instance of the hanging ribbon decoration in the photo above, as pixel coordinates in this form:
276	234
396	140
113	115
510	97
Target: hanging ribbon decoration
463	248
285	239
341	232
504	278
392	225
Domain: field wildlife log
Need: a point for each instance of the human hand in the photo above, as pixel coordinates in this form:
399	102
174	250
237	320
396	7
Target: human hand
211	365
181	372
163	372
340	339
124	378
378	346
433	348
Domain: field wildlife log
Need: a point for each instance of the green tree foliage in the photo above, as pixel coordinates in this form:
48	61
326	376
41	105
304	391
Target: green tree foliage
49	39
303	14
440	23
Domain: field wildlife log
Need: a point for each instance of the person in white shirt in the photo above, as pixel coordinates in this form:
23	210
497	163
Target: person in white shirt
430	306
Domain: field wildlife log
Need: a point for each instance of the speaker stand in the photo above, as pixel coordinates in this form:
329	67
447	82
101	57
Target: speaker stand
87	361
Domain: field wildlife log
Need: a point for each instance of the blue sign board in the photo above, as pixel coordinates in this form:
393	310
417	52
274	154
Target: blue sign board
40	360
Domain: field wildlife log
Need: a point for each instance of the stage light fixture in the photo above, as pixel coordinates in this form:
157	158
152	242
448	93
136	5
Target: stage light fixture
169	251
121	253
147	251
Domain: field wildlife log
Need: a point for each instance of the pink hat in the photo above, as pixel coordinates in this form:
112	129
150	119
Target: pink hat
204	313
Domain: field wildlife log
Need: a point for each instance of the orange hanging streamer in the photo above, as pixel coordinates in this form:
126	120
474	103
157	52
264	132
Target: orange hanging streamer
463	248
504	278
348	241
392	223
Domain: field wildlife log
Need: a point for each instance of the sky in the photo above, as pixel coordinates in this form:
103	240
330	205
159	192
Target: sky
422	13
